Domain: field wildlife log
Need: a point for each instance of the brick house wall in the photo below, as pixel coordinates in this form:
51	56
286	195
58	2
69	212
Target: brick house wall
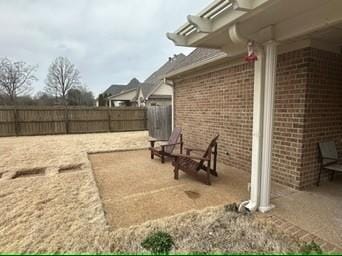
323	110
220	100
289	108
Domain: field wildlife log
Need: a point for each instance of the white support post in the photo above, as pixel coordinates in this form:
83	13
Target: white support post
110	103
257	131
270	80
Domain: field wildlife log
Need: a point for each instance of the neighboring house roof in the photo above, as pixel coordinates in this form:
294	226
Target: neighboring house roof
155	78
114	89
151	82
172	64
196	58
122	92
134	83
200	54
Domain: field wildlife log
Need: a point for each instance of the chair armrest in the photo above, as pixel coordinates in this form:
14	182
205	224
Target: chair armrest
191	157
332	161
154	140
329	158
173	144
194	149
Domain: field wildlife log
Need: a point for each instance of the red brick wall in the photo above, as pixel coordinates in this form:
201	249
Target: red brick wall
292	72
323	110
218	102
211	102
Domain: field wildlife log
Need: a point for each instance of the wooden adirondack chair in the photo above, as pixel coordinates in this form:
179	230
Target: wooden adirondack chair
191	164
166	150
329	159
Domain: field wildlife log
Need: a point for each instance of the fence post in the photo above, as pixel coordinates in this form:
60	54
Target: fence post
66	119
16	124
145	116
109	121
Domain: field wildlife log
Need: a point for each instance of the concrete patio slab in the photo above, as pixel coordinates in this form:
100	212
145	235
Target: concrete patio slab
317	210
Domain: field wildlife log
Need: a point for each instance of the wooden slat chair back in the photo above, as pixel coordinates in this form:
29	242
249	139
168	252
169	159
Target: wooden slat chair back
209	150
329	159
167	149
171	143
191	164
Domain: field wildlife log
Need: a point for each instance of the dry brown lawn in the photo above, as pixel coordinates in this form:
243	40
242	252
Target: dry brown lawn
212	230
49	202
61	209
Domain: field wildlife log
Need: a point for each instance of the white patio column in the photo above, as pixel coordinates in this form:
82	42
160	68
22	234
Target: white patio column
270	80
258	105
110	103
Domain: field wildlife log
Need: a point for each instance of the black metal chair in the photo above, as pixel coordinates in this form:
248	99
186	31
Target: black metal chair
329	159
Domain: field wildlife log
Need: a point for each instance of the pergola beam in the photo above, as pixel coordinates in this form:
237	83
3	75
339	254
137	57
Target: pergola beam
203	25
242	5
178	40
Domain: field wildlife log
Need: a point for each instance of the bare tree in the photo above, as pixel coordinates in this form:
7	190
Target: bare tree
62	76
15	78
80	96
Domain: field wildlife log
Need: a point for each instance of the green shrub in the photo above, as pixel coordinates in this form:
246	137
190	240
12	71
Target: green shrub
158	243
310	248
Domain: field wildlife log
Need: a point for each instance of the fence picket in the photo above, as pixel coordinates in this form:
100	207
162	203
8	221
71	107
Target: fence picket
29	120
159	122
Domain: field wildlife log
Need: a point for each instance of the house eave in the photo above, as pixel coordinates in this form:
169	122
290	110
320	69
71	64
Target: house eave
289	20
112	97
201	64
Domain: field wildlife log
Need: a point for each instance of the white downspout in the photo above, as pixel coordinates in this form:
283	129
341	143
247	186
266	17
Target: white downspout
253	203
270	81
258	104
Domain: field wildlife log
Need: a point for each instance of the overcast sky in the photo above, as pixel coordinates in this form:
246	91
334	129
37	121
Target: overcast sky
110	41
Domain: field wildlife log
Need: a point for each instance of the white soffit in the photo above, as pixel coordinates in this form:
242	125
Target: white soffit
289	19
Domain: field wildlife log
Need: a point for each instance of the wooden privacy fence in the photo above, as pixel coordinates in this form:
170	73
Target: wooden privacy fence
159	122
26	120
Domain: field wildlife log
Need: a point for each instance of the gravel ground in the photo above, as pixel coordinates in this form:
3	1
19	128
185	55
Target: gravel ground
49	202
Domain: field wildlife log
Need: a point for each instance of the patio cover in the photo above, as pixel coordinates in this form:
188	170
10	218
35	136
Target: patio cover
229	25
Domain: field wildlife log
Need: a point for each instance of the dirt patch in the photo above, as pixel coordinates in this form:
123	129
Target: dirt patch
192	194
29	173
135	189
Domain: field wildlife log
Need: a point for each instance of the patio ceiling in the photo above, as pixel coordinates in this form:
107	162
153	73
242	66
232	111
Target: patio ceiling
261	20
